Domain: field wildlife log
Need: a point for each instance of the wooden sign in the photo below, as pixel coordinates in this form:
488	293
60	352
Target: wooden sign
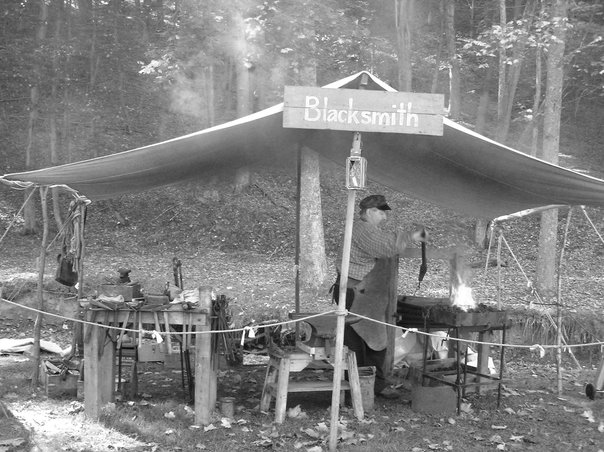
363	110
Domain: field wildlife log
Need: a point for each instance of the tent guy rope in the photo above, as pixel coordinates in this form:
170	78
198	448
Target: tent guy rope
248	328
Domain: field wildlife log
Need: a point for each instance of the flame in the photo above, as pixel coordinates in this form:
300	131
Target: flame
461	292
461	296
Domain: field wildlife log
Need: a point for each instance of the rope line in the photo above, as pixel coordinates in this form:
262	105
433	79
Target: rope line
592	224
16	215
248	328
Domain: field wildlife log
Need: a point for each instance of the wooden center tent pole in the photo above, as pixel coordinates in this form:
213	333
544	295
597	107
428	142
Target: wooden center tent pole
298	244
341	312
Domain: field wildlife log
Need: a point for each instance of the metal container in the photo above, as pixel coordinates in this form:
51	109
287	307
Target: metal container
227	407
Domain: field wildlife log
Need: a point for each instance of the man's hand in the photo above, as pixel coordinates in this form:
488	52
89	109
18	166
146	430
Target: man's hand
420	236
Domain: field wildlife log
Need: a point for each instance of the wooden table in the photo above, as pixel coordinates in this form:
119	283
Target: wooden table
100	347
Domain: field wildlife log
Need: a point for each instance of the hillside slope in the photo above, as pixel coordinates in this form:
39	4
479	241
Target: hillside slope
243	245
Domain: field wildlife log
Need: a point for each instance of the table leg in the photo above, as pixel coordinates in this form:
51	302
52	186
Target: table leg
99	371
205	375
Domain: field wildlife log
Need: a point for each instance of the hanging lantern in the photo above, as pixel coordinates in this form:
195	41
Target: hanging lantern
356	171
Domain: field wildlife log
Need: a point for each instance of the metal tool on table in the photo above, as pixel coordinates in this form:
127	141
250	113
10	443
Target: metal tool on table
124	277
120	341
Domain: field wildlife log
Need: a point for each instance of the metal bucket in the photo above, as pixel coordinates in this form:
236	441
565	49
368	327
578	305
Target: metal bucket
367	383
227	407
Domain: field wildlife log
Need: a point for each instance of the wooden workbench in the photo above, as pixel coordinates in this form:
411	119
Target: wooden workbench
100	347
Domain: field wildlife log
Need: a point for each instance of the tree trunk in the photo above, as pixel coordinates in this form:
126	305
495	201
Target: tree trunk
481	225
529	138
209	89
546	280
502	70
30	225
454	82
41	265
441	37
312	259
243	177
404	19
513	70
313	262
53	111
536	103
94	59
483	103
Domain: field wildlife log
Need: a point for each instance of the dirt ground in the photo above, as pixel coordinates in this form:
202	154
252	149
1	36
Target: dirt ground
531	415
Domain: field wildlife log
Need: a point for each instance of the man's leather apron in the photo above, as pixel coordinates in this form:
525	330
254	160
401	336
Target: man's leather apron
374	297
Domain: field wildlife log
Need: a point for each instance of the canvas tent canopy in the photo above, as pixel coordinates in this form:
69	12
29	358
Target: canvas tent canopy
460	170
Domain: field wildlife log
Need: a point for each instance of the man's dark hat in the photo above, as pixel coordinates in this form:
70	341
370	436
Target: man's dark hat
378	201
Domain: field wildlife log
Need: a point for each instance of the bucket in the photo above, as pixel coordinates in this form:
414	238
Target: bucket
367	382
227	407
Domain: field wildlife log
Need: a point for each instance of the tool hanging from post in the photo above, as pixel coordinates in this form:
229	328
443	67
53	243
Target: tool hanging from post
177	270
423	268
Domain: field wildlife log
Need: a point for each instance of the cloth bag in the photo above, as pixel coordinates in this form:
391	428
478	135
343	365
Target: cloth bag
65	274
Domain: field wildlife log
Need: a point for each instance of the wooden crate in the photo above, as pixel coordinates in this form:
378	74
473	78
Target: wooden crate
151	352
59	385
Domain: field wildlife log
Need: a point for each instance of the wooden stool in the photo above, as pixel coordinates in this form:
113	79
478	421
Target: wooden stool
277	384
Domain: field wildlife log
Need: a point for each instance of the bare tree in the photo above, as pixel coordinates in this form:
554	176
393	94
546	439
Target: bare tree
454	64
510	66
558	12
512	35
29	215
313	261
53	111
243	176
404	20
439	50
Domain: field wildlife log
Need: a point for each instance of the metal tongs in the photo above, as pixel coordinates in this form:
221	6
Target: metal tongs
423	268
177	270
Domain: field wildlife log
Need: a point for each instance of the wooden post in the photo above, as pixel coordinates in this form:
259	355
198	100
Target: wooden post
41	264
99	370
483	351
559	304
499	239
391	313
205	373
77	341
341	312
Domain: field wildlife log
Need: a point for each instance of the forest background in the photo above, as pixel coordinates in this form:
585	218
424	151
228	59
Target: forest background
86	78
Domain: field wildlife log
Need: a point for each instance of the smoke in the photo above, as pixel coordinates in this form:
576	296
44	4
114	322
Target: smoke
187	96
